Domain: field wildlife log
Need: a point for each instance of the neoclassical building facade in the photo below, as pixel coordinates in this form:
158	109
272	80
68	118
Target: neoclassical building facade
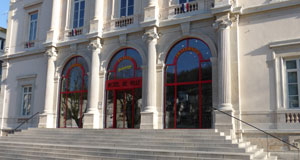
153	64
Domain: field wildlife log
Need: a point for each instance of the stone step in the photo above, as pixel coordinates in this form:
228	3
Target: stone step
125	153
71	140
122	143
96	149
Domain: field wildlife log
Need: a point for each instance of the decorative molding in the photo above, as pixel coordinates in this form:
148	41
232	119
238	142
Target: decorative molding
185	28
95	44
31	76
285	43
33	4
150	35
222	24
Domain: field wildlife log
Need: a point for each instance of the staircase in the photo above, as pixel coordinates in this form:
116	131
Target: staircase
112	144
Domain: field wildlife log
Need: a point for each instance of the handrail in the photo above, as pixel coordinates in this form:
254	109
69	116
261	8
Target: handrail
25	121
257	129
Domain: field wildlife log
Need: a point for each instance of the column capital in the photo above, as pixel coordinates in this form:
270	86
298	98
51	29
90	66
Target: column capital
51	53
222	23
95	44
150	35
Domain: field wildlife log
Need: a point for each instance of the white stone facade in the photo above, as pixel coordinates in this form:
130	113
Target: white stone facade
249	41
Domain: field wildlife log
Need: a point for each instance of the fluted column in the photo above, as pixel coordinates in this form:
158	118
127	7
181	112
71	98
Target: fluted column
92	117
149	114
224	70
47	117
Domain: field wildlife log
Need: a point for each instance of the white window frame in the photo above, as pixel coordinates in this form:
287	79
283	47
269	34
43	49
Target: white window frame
187	1
35	21
297	70
73	14
29	102
120	9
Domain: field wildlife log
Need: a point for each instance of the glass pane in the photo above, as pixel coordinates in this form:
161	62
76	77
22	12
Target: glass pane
175	50
25	89
292	77
123	3
31	32
206	73
138	73
73	110
115	59
83	107
111	76
34	16
188	67
293	89
187	115
63	103
129	109
120	110
34	30
82	61
200	46
123	12
130	2
24	104
130	11
170	74
86	82
109	109
28	106
293	101
125	69
137	107
170	107
75	79
29	89
135	55
291	64
182	1
206	104
71	62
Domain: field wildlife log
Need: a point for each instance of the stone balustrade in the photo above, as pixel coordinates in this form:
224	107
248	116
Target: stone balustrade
75	32
292	117
187	7
124	21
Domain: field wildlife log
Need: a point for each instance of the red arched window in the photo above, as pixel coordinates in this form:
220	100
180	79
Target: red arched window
188	90
73	93
124	90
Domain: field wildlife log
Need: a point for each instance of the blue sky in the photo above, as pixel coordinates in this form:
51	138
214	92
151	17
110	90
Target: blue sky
4	7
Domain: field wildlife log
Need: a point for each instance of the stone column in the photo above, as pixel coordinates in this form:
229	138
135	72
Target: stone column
224	122
47	119
91	119
149	114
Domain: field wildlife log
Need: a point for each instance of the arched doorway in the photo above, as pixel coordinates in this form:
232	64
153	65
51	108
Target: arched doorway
73	93
124	90
188	85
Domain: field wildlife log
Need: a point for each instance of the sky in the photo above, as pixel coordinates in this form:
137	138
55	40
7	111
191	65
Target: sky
4	7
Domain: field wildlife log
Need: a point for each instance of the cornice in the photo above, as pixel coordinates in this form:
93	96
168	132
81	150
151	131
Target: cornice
270	6
175	21
284	43
23	54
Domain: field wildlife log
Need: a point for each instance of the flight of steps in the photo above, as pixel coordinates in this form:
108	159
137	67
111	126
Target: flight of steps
112	144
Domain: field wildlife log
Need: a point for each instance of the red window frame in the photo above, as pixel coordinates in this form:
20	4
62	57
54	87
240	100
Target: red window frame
67	92
176	84
124	86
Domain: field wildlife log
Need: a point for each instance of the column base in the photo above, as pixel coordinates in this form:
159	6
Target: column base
92	120
149	120
47	120
223	122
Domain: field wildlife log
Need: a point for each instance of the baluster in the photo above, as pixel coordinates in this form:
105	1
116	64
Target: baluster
291	117
287	119
196	6
295	118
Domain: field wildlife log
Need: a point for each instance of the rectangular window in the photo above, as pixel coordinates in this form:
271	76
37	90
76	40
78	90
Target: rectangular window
185	1
126	7
293	72
33	26
2	44
26	100
78	19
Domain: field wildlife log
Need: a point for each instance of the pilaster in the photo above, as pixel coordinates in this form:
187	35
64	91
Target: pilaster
151	11
47	118
92	117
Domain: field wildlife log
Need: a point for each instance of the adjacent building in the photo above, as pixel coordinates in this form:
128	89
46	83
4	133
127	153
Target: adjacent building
154	64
